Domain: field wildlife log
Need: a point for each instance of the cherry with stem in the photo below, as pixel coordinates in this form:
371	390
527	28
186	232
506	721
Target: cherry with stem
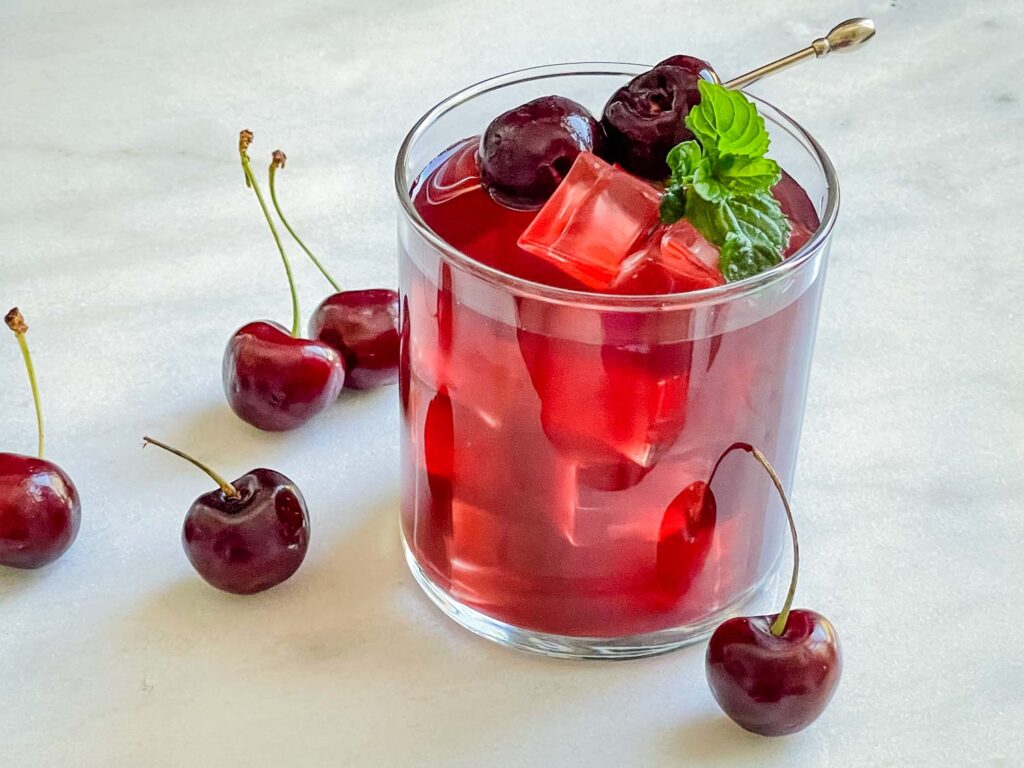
250	534
361	325
40	510
774	675
274	379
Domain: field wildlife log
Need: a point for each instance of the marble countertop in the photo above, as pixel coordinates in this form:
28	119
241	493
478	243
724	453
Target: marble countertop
128	239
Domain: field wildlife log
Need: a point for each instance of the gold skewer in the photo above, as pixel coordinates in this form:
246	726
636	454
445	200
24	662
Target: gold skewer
845	37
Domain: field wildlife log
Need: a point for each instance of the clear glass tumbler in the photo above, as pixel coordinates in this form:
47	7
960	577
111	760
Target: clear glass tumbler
557	445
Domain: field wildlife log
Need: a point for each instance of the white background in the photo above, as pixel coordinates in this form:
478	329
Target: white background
134	249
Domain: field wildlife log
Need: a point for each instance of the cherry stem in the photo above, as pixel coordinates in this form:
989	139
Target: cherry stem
16	322
779	625
228	489
244	140
278	159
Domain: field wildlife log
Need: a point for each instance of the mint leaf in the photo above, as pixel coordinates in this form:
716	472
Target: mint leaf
756	218
691	167
726	123
683	160
739	258
673	205
760	219
747	175
706	185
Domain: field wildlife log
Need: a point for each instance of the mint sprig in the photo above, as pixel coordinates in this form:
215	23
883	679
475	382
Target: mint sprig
722	183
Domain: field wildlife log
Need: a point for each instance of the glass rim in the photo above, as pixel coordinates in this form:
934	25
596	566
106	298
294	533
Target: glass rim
728	291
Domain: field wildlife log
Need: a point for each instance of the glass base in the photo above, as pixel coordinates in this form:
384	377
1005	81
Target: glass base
568	647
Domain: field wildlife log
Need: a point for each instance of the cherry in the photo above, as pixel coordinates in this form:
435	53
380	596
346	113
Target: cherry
773	675
275	380
40	511
362	325
526	152
644	119
248	536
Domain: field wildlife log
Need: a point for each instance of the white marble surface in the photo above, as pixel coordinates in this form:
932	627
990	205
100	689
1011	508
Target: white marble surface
127	237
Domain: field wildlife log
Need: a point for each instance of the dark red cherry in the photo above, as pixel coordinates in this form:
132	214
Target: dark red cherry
526	152
247	536
796	205
277	382
774	675
39	511
645	118
362	326
250	543
39	507
774	685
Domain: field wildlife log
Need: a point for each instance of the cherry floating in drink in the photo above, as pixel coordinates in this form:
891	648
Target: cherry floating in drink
40	511
526	153
644	118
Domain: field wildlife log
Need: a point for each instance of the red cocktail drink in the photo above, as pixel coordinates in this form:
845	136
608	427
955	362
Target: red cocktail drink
561	484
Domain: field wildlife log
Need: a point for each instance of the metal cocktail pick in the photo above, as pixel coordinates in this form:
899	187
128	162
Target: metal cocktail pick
844	37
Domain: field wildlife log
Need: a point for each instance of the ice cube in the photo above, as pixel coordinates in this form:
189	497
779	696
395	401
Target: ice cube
675	259
598	217
691	259
604	405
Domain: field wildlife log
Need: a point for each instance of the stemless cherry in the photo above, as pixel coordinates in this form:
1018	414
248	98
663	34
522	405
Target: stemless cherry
526	152
361	325
645	118
275	380
40	511
773	675
248	536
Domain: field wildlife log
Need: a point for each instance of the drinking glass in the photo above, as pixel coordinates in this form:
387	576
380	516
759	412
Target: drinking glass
566	481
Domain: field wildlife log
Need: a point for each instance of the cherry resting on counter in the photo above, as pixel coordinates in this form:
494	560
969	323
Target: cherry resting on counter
40	511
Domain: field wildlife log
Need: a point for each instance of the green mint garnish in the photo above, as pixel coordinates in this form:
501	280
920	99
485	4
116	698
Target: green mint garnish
740	258
727	123
722	183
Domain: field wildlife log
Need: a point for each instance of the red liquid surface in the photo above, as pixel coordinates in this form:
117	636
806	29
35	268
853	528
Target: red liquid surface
556	458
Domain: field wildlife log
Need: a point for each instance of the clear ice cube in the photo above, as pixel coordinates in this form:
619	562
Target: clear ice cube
688	257
598	217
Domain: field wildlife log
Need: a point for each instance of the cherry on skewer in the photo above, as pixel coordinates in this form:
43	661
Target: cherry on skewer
40	511
247	536
645	118
362	326
274	379
775	674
